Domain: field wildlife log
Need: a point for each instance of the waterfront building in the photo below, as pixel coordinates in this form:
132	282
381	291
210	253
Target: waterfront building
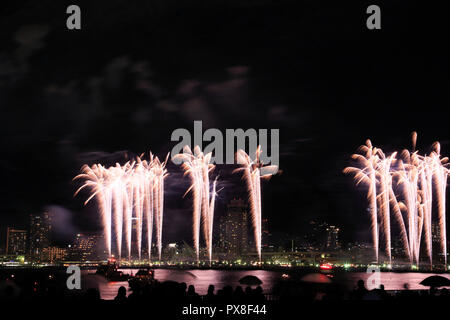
16	241
234	227
86	247
40	227
54	254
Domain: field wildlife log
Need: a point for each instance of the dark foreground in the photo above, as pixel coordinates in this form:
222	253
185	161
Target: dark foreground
36	292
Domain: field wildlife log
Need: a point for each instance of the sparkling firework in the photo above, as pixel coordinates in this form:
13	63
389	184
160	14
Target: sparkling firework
404	187
134	191
254	171
197	165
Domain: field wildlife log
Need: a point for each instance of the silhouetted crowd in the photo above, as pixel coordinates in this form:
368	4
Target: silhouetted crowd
181	293
45	287
291	291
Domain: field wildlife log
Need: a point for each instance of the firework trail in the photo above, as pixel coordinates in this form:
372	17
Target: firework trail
128	203
211	219
367	175
134	191
414	177
385	182
158	195
440	175
96	179
197	165
148	181
254	171
117	187
408	176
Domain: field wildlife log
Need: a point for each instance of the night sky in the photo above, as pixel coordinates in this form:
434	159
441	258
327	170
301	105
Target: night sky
137	71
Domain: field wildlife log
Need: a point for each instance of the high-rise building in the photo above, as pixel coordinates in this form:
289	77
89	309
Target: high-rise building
265	234
16	241
87	247
40	227
322	236
332	238
234	228
438	256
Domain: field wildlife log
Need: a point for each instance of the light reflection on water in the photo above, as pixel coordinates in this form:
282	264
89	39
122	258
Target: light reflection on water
201	279
391	280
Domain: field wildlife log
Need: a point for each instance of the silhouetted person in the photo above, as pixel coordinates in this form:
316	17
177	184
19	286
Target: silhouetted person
121	294
248	293
239	294
227	293
258	293
210	297
135	293
360	291
382	292
183	288
146	291
433	291
192	295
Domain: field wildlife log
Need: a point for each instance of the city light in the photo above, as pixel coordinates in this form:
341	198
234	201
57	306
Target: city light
326	266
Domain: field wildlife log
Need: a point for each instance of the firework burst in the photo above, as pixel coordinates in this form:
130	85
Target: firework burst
254	171
406	188
197	165
133	191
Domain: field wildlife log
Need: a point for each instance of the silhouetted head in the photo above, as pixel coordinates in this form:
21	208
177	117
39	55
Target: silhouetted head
122	291
211	289
238	290
228	290
191	289
433	290
248	290
382	287
183	286
259	290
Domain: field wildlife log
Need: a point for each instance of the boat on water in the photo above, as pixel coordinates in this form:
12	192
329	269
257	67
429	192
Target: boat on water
142	277
110	271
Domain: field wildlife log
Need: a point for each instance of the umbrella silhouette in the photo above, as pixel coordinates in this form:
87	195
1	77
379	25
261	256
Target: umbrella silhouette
250	281
436	281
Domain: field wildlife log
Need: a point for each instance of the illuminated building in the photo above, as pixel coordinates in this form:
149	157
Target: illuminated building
234	228
16	241
332	238
322	236
438	257
54	254
86	247
40	227
265	234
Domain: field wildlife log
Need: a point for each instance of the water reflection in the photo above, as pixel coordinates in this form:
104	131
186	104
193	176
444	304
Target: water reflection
201	279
